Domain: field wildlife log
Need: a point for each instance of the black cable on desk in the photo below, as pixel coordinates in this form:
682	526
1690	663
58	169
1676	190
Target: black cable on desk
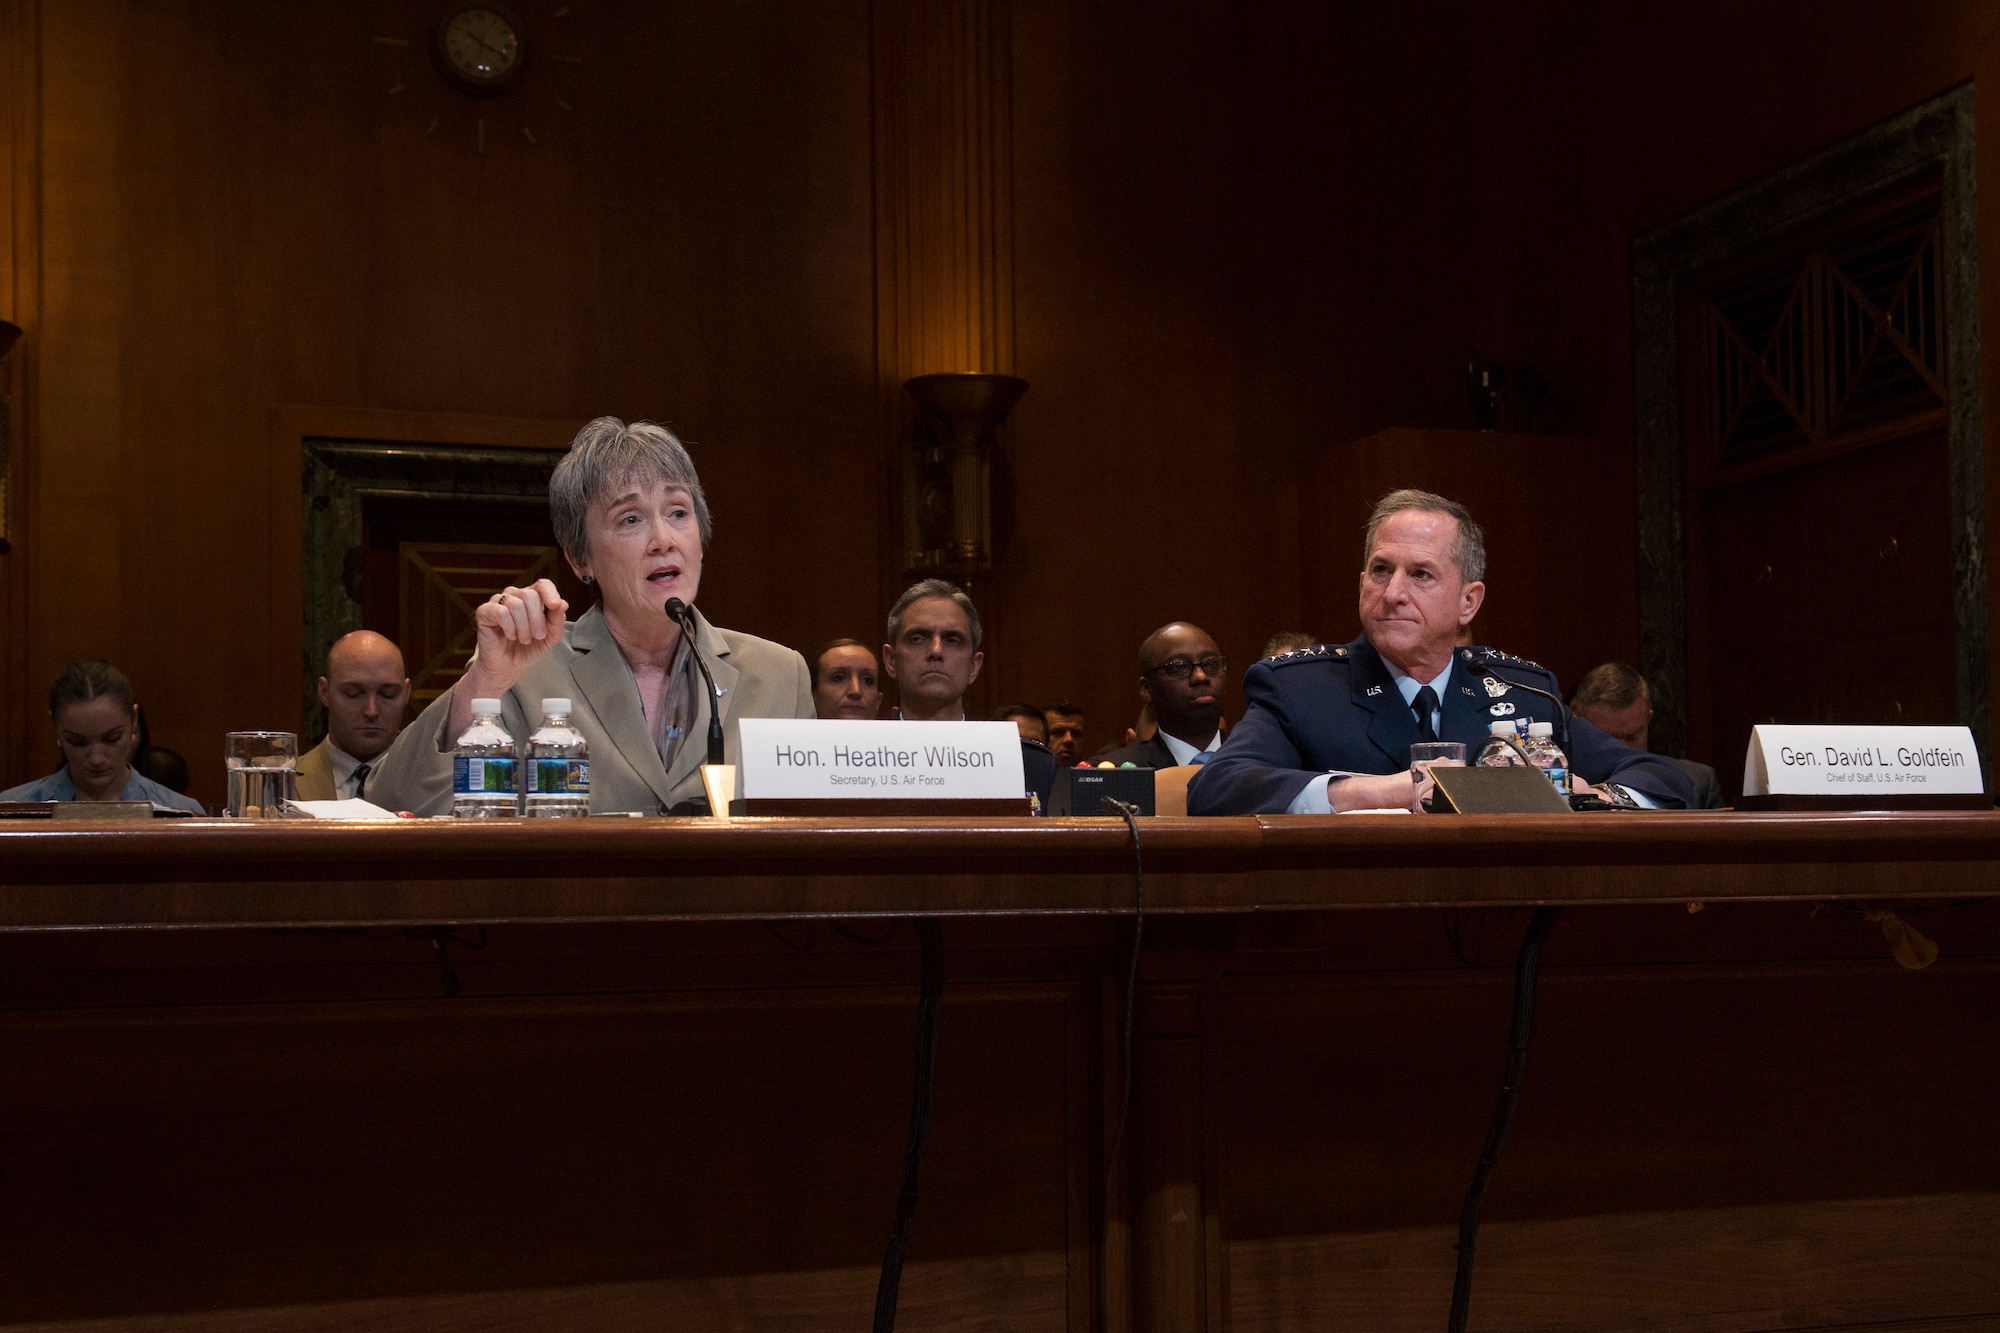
1503	1115
922	1103
1130	814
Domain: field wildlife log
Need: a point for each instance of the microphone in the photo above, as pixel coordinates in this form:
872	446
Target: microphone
1477	660
677	611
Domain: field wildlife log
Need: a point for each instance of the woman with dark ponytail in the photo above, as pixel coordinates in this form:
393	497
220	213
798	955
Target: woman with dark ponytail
97	729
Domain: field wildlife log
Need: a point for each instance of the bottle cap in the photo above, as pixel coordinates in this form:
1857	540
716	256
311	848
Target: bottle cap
1541	728
1501	729
485	706
555	705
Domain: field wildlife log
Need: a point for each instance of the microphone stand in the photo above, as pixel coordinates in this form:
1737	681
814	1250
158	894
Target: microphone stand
677	611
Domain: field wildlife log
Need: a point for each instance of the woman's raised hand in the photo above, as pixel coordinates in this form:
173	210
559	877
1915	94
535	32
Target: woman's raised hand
516	626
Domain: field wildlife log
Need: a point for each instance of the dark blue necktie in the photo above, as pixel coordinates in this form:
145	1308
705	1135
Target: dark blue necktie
1424	705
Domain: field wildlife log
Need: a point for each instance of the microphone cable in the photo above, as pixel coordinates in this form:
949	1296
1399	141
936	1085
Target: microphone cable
922	1103
1525	965
1130	813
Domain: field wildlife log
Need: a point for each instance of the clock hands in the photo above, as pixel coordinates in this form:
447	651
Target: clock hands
504	55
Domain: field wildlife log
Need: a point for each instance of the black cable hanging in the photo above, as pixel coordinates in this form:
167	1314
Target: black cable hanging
1130	814
1503	1115
931	993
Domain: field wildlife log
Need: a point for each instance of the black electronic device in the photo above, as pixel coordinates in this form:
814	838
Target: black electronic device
1515	790
1081	791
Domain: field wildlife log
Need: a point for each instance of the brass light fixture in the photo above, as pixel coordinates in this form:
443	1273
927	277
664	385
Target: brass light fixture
948	475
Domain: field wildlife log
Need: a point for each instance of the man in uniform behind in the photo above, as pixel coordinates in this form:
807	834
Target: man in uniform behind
364	692
1330	728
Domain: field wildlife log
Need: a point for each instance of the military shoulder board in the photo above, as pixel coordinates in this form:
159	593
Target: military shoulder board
1319	652
1494	655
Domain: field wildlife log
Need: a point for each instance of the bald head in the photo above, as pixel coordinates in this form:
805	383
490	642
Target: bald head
364	691
364	650
1181	674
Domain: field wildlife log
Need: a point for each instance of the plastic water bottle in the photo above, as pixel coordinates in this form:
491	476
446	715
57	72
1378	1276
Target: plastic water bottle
1547	755
558	766
1494	752
485	782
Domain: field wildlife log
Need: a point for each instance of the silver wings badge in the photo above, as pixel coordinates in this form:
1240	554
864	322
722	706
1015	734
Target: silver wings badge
1495	688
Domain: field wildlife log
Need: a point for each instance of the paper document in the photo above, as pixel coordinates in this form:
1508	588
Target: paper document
355	809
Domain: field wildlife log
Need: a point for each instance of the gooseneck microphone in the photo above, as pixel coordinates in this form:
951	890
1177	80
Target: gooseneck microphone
677	611
1479	660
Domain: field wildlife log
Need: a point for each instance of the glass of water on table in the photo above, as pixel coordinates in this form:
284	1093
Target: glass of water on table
1424	756
263	772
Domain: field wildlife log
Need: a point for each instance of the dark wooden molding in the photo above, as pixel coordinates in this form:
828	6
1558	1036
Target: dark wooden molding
242	873
1934	137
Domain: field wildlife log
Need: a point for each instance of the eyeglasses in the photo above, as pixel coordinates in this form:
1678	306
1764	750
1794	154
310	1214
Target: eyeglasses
1180	668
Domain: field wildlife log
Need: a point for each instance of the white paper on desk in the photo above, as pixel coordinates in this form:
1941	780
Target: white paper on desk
354	809
1381	810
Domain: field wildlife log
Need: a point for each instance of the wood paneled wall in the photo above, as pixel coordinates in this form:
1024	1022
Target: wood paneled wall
1241	239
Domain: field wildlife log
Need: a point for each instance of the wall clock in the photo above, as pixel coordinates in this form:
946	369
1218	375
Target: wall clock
480	49
499	73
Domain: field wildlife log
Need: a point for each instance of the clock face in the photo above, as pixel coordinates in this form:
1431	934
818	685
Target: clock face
479	48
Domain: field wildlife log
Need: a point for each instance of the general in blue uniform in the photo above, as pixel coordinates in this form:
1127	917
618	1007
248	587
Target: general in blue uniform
1337	709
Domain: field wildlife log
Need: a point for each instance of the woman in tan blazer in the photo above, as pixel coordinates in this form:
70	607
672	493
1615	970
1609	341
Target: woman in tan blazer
631	518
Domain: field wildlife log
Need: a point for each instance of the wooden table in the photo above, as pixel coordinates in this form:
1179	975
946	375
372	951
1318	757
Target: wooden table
656	1073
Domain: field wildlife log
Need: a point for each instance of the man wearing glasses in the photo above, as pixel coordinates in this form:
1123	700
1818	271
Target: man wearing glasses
1180	675
1330	728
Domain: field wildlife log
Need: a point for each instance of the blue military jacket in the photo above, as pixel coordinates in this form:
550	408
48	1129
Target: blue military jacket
1336	708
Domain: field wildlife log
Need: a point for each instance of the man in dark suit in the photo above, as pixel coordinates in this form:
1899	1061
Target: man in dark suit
1330	727
1615	699
1181	673
932	651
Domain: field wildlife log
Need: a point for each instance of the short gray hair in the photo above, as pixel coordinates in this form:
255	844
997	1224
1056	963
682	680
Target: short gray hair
924	591
607	454
1468	551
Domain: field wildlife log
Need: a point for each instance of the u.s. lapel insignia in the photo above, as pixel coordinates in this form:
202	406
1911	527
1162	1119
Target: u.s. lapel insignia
1495	688
1372	690
1501	710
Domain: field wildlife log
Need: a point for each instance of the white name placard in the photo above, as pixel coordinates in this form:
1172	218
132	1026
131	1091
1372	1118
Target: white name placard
1861	761
789	759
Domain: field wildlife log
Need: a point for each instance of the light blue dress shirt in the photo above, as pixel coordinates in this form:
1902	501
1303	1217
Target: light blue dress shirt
57	787
1184	753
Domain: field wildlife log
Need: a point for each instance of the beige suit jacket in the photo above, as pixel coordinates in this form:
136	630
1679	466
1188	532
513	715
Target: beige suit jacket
757	678
315	779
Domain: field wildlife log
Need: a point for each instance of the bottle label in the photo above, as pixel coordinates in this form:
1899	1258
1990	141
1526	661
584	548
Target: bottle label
1560	776
473	774
560	777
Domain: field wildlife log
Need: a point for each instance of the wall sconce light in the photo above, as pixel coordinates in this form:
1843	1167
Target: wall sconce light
9	335
948	472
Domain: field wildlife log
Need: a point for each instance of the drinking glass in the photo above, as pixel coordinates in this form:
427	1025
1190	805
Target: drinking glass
1426	755
262	772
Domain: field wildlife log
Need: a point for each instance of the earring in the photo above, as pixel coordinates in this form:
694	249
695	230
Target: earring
588	581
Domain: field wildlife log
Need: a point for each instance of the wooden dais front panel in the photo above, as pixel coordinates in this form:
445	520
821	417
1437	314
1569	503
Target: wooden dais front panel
643	1074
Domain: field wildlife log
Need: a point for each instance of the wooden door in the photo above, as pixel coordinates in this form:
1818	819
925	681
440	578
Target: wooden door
429	564
1820	567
